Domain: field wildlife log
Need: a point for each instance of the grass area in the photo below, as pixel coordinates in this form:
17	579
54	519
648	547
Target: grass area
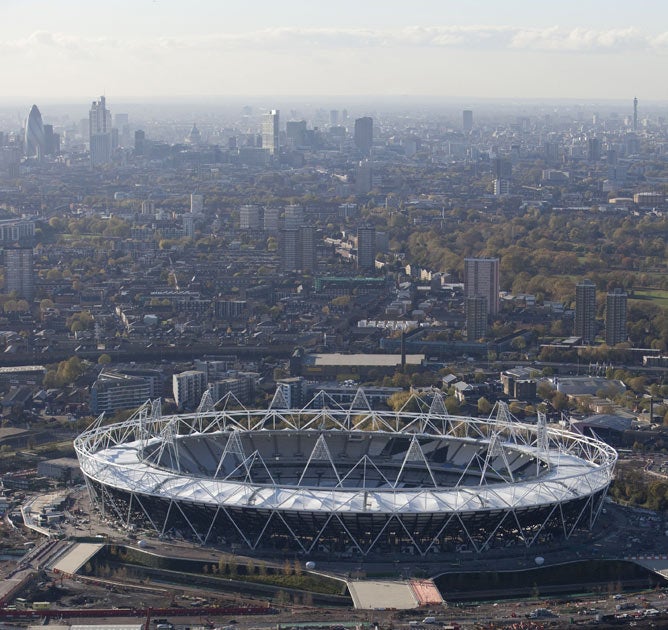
657	296
228	567
28	456
305	582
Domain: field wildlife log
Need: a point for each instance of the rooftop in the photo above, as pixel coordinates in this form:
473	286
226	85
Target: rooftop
380	360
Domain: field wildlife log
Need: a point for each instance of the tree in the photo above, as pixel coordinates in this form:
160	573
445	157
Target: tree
637	384
516	409
76	326
65	372
57	224
397	400
484	406
10	306
451	405
104	359
560	401
545	390
82	320
399	379
50	379
519	344
342	301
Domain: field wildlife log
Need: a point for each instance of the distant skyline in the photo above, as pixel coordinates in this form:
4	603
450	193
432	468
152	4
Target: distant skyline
475	49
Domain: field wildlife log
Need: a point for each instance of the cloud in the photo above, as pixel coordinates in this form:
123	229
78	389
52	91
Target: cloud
481	37
582	40
549	39
46	41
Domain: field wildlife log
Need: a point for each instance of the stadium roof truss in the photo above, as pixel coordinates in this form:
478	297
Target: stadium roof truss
325	478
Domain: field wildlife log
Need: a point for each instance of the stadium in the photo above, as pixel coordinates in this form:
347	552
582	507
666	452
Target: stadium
344	482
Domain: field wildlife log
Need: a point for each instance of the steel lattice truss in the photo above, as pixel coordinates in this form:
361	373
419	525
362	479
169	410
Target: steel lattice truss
345	480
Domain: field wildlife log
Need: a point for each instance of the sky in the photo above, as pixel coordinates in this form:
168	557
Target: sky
137	50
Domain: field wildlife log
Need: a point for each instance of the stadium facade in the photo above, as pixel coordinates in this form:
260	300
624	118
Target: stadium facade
327	480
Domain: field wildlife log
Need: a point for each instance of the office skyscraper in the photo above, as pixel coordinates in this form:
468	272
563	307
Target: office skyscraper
363	136
188	388
19	276
366	248
293	216
585	311
271	221
552	152
188	224
295	133
363	178
289	246
51	141
502	168
297	247
270	132
249	217
476	317
593	150
34	134
481	279
99	117
140	142
467	120
501	187
196	203
99	128
635	114
615	317
631	144
307	244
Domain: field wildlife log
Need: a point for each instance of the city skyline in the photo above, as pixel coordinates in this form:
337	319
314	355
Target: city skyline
438	49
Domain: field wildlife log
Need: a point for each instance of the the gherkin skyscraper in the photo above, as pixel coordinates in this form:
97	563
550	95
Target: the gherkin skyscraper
34	140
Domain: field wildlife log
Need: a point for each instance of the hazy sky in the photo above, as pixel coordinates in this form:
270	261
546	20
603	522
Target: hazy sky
138	49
